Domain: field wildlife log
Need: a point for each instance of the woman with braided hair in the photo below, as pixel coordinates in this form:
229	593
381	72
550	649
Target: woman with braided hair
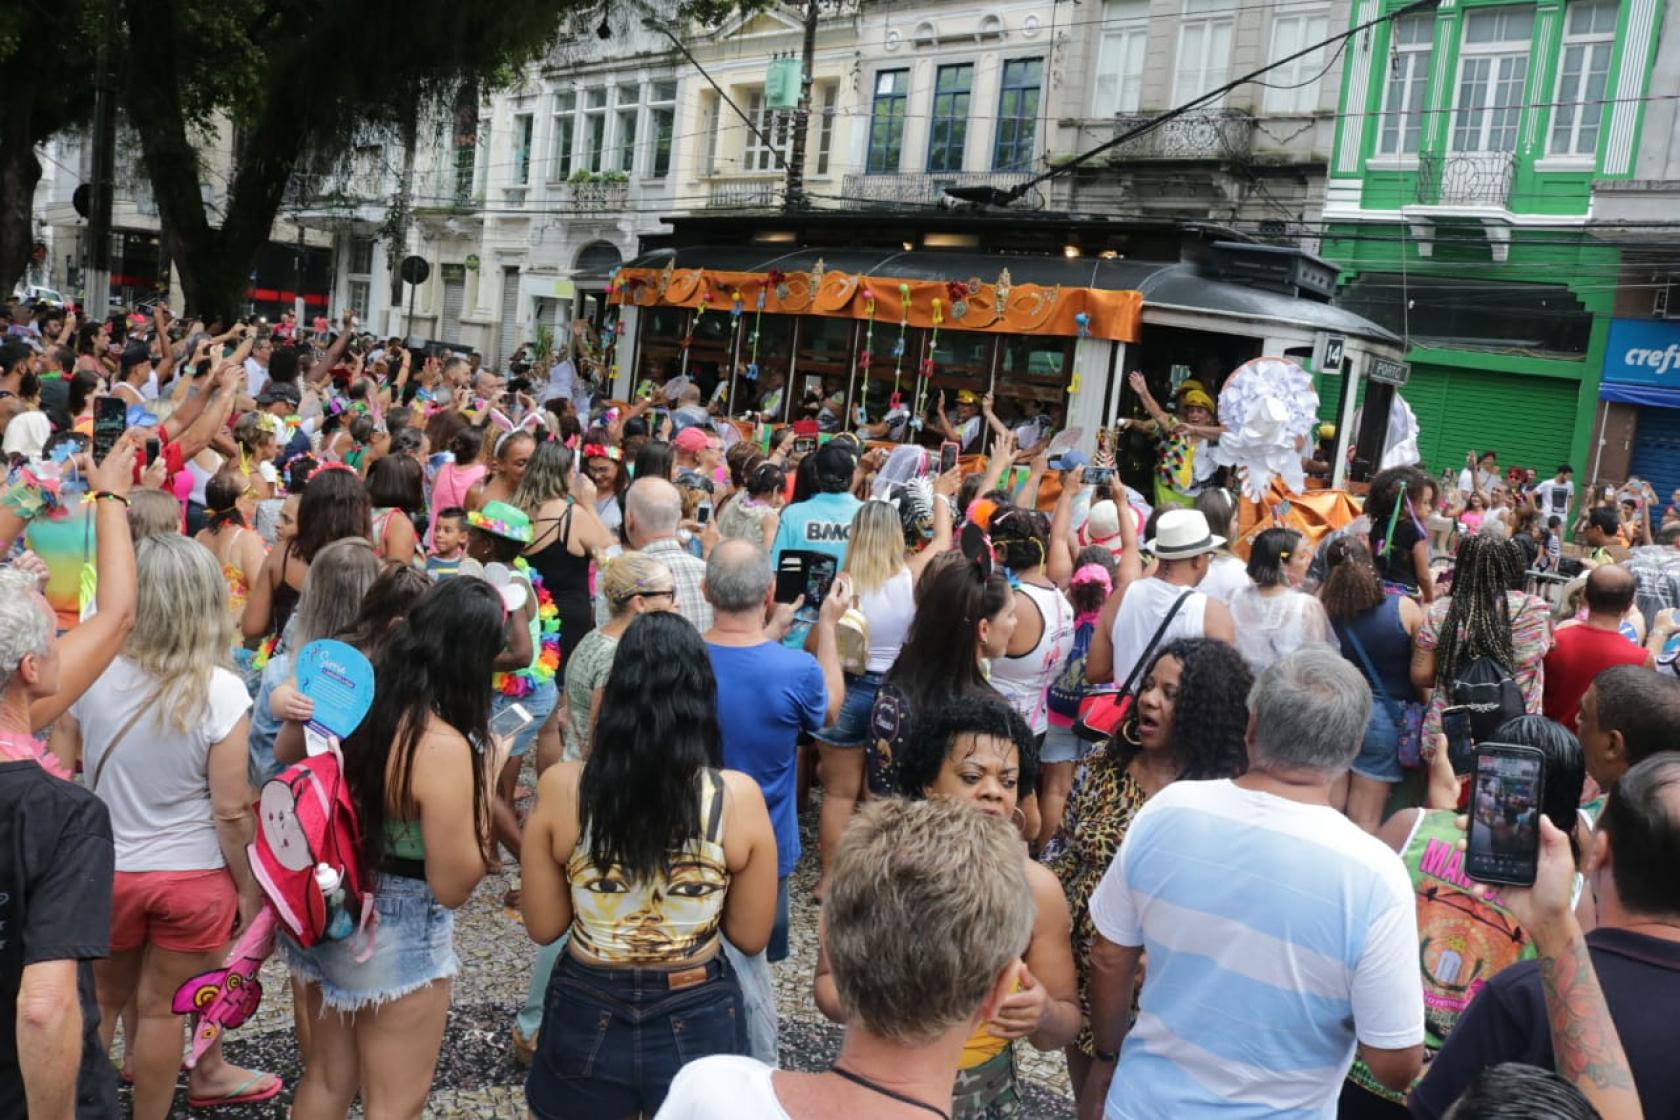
1487	615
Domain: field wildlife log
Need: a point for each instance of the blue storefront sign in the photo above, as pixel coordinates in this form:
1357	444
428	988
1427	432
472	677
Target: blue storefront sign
1642	362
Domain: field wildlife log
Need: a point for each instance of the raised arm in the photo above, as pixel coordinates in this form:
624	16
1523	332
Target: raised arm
85	651
1140	386
1058	565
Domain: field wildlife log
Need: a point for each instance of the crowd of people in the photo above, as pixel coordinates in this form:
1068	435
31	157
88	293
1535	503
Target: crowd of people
1097	779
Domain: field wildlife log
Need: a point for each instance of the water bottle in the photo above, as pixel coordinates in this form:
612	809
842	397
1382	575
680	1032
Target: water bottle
340	924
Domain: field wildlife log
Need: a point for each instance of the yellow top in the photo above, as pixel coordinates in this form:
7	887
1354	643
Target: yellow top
982	1046
665	919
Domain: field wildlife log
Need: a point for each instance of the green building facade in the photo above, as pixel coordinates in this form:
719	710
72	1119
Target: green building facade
1459	205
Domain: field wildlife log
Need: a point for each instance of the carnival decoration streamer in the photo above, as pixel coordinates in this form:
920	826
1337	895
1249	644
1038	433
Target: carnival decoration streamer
897	398
751	373
864	358
937	316
1084	322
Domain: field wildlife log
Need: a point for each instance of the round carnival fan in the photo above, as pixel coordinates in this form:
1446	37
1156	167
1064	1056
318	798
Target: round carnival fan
684	283
835	291
1029	306
1268	409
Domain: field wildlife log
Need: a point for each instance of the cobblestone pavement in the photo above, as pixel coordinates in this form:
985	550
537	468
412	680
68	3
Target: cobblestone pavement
477	1076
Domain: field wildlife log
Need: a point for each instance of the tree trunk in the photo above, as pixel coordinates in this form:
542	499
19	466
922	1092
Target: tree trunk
19	172
401	212
215	263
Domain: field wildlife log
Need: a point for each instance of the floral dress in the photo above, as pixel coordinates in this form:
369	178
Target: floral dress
1099	811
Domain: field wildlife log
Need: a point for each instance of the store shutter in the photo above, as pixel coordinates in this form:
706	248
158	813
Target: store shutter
510	314
1529	421
1656	450
454	299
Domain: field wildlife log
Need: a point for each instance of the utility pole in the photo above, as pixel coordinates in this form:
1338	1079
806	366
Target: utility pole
96	291
795	192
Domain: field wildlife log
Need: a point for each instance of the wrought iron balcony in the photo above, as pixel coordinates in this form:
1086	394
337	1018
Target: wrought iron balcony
743	190
923	187
1202	134
1464	178
604	194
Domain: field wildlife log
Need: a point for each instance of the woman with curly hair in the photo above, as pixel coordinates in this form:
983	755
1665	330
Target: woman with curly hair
1398	506
1488	615
1189	724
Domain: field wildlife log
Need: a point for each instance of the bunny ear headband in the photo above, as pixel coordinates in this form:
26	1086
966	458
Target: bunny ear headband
530	424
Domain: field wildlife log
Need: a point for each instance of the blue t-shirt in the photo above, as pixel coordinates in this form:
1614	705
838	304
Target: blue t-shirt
821	523
767	695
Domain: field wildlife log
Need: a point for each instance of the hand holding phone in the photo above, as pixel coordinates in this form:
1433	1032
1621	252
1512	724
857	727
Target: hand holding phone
510	721
110	420
1455	725
1505	798
948	452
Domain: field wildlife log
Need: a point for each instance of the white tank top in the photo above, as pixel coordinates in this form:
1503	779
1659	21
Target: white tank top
888	610
1023	679
1146	603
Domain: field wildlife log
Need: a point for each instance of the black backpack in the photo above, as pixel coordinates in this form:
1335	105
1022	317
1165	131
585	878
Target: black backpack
1486	688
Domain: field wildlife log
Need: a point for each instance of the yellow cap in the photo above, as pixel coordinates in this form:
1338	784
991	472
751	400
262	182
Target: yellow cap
1195	398
967	396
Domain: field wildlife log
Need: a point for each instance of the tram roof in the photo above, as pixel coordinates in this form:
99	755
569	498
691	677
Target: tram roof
1178	284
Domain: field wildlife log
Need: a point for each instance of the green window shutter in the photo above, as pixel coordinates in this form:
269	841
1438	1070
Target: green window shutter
1529	421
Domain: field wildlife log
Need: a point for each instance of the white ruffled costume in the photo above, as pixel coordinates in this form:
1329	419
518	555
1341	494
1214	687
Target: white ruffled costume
1268	408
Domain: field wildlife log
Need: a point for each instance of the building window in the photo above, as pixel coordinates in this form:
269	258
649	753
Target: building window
359	291
825	128
1017	124
1121	53
361	256
1408	79
524	130
886	121
952	86
1204	48
565	132
1293	87
662	114
766	138
709	134
1492	70
1589	37
594	129
628	110
465	143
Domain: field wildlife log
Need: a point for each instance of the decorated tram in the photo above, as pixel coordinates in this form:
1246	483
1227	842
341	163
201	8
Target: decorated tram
1048	313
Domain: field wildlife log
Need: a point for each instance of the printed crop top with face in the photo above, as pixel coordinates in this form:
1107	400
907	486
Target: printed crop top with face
665	919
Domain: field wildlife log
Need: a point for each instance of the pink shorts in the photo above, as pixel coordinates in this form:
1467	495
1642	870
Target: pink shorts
182	911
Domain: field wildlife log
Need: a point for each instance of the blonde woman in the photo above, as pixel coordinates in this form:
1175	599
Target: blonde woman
258	437
162	737
633	584
884	584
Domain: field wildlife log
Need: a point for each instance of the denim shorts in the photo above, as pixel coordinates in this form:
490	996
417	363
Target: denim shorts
1379	757
539	703
413	946
612	1039
851	727
1062	745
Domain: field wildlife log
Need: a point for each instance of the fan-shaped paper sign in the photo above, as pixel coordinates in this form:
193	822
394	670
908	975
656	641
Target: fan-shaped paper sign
684	283
975	311
1030	306
794	293
835	291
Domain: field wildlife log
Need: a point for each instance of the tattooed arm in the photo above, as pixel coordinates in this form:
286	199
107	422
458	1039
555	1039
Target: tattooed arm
1586	1051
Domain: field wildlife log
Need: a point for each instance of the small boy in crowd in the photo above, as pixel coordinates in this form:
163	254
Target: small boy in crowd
449	544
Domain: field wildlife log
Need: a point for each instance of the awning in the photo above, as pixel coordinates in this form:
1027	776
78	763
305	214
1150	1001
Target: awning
1624	392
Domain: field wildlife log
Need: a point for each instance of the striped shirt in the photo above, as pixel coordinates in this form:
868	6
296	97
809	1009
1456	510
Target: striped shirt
1277	934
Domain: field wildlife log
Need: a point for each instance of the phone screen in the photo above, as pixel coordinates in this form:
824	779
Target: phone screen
1504	814
947	456
702	513
1098	476
1455	725
804	445
110	418
790	577
510	721
819	577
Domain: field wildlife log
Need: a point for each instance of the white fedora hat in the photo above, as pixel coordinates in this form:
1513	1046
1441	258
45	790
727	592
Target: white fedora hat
1182	533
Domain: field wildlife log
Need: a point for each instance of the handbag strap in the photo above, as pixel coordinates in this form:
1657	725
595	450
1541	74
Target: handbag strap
1396	712
1149	650
122	733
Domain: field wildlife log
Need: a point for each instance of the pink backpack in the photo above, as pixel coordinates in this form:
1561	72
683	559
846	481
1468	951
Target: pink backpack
307	848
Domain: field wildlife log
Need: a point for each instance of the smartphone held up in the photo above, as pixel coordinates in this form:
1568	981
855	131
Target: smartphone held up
1505	805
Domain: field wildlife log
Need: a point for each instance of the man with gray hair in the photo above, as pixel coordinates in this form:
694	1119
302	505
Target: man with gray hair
767	693
652	513
1282	938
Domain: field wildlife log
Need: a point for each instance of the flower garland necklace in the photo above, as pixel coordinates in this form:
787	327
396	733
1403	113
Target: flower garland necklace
544	667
